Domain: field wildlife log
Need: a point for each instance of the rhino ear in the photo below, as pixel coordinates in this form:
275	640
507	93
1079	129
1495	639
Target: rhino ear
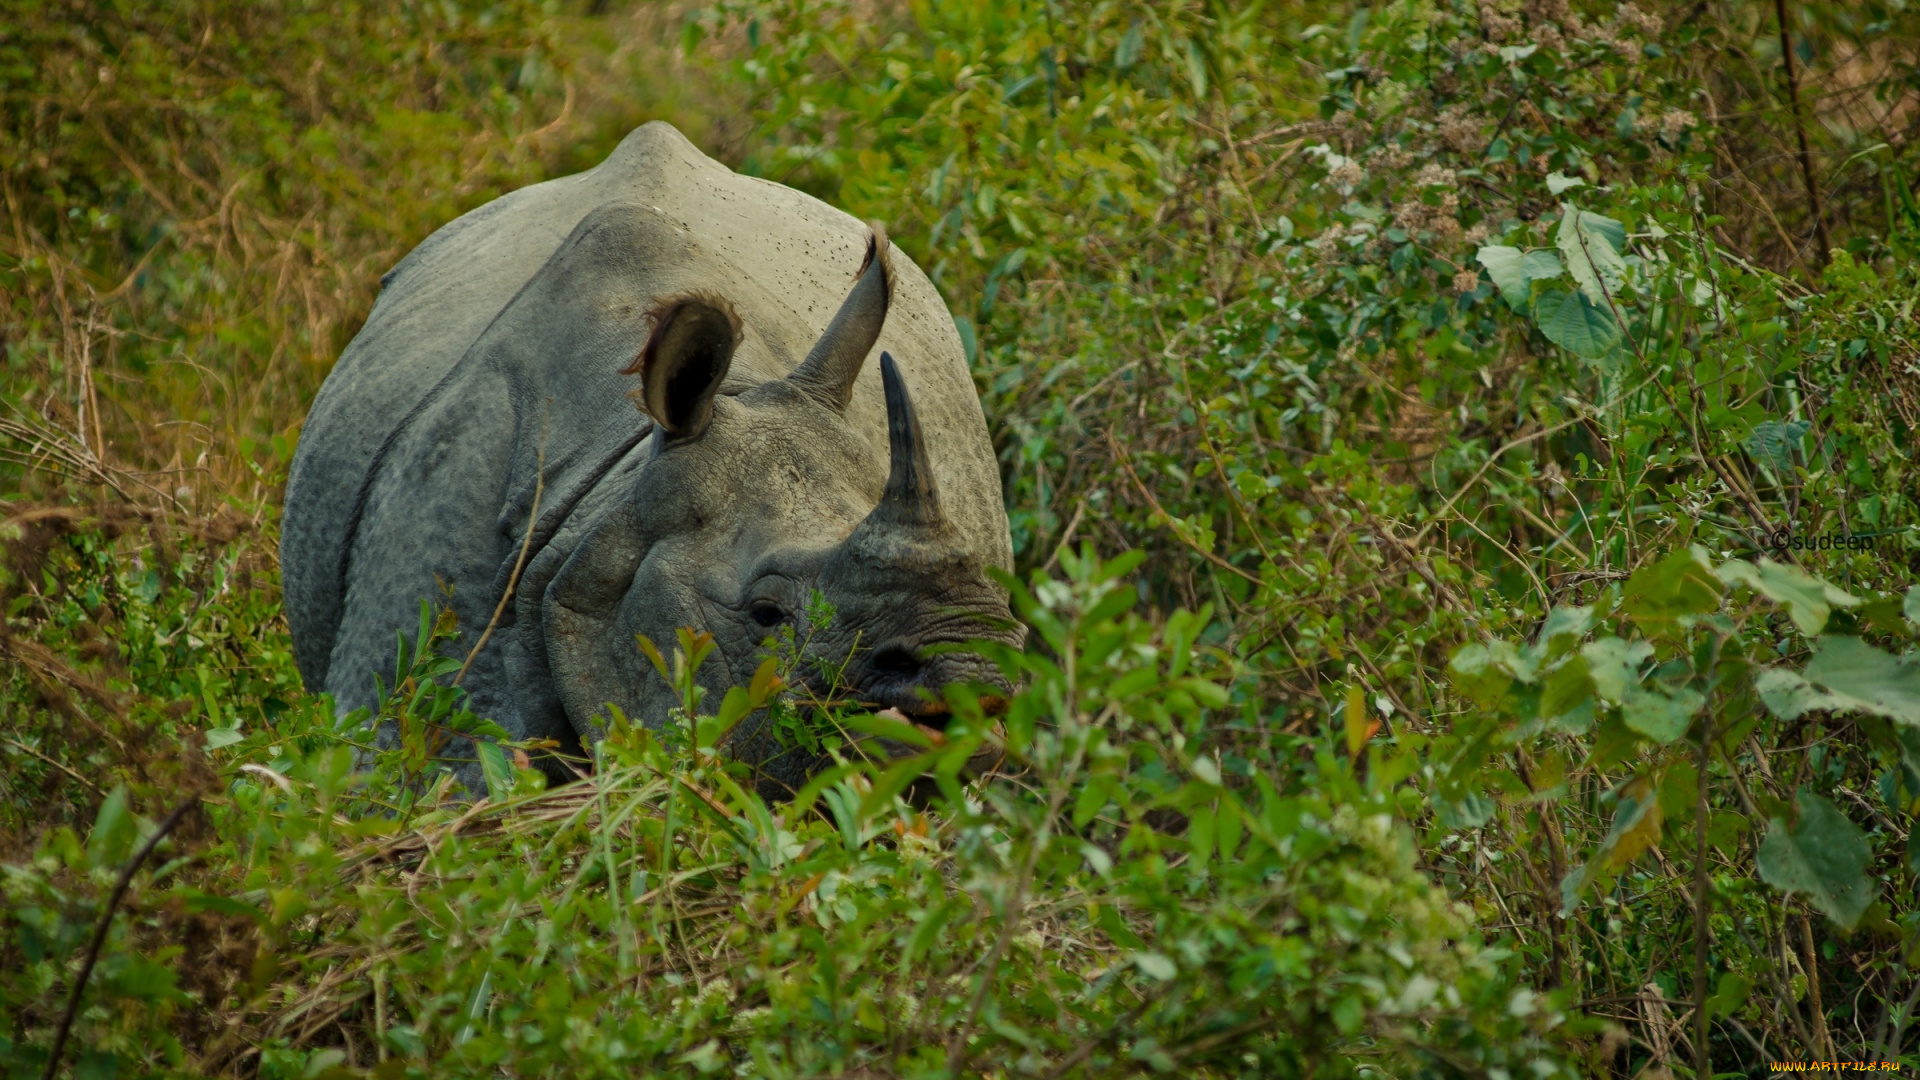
684	361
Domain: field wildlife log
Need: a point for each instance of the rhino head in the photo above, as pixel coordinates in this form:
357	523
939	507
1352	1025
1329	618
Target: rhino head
748	504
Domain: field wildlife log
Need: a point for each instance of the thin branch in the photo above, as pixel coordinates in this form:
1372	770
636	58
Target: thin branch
1800	131
100	932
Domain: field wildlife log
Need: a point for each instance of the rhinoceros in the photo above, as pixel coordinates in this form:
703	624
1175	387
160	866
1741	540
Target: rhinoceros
637	399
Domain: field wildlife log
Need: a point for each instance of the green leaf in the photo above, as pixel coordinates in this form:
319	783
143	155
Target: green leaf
1155	965
497	769
114	831
1128	53
1562	630
1196	69
1558	183
138	977
1912	606
1662	598
893	782
1729	995
1614	665
1117	929
195	900
1774	443
1478	674
1513	272
1823	856
1470	811
221	737
1200	835
1660	717
1569	687
1809	600
1503	267
1592	245
888	727
705	1058
1846	675
1576	324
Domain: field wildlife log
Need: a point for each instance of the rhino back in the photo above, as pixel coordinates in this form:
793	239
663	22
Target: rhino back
786	257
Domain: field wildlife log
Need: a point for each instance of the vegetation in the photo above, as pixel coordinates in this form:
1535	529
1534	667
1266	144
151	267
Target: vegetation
1462	466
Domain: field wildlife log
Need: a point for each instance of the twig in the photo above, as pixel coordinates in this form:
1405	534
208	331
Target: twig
519	564
1800	130
1702	901
1475	478
1126	463
62	766
100	932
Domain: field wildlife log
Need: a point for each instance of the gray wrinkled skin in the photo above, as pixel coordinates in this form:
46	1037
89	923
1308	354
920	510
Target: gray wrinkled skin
696	357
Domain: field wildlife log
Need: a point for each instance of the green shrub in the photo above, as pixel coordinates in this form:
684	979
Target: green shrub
1127	893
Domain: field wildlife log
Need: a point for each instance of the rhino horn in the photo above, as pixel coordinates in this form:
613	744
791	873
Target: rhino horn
828	372
911	499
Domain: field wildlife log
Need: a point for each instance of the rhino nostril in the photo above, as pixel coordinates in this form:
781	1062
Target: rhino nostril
895	660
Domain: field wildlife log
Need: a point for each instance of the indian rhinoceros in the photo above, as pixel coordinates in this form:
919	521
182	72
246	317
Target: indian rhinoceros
496	383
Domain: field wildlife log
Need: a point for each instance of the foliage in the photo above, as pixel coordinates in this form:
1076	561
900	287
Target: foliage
1126	895
1526	393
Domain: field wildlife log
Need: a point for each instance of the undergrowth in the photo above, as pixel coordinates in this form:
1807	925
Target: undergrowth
1509	409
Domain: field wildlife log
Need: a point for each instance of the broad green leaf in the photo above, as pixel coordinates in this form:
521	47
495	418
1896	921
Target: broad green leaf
1729	995
497	769
1591	246
1542	265
705	1058
195	900
1557	183
1200	835
1503	265
1660	717
222	736
1614	665
1808	599
1478	675
136	976
1470	811
1912	607
1117	929
1900	785
1569	687
1787	695
115	830
1663	597
1884	684
1563	628
1823	856
893	782
1774	443
1513	272
1155	965
1576	324
1846	675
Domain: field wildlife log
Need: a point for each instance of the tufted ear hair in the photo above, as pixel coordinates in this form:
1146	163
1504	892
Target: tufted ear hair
684	362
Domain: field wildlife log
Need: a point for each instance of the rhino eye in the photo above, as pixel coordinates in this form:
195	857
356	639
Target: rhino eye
767	614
